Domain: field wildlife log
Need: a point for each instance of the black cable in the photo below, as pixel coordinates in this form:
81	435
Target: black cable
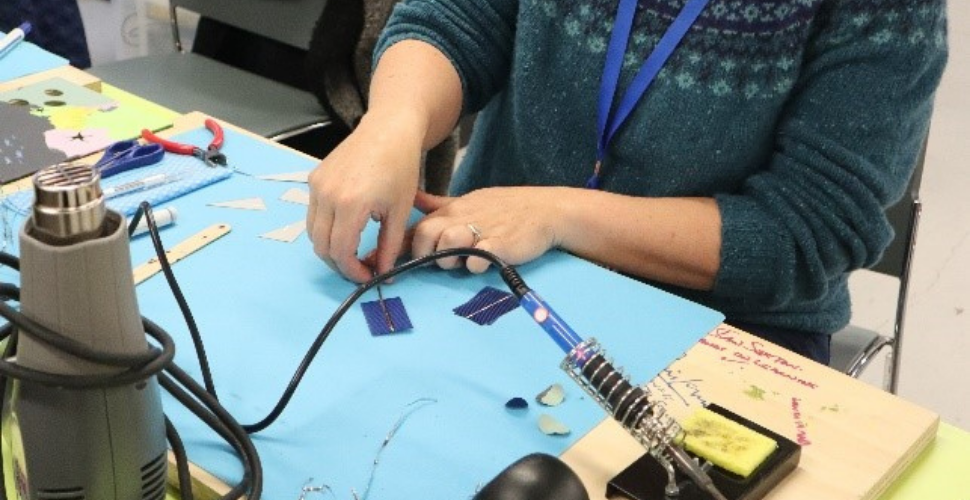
202	401
213	405
205	405
146	209
237	491
181	461
216	417
345	306
210	411
51	338
10	261
9	291
135	219
192	403
132	375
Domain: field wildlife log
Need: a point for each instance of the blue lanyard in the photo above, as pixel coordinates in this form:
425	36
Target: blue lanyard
608	123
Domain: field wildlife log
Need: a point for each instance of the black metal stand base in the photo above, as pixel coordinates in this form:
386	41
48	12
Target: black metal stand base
645	479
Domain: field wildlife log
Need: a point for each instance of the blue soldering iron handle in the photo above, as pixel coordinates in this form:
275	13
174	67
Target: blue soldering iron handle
586	363
557	329
631	406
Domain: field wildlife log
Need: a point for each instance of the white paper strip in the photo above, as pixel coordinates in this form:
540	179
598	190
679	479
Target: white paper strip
296	195
288	177
243	204
286	234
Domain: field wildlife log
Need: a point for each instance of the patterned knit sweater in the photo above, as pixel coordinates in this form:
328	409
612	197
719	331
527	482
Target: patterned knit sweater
802	118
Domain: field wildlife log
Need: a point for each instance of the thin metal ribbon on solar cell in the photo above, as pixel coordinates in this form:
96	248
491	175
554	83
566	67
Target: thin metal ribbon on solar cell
386	316
487	306
608	121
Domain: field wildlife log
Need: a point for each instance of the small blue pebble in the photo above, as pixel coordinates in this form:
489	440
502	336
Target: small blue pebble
517	404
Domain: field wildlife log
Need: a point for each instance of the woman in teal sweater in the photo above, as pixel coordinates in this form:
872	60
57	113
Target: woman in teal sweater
751	175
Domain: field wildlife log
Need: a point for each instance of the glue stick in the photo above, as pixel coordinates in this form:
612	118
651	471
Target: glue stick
163	217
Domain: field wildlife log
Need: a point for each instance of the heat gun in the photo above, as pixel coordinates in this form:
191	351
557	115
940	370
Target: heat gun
76	279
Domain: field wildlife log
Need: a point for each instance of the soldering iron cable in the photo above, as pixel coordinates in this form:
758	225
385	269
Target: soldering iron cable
631	407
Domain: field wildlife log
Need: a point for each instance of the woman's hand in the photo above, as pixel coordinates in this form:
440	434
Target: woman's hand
672	240
518	224
373	174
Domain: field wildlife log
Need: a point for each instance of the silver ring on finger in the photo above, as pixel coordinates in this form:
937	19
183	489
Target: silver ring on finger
476	234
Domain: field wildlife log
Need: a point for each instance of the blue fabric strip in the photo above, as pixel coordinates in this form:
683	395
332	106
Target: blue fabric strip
608	122
611	69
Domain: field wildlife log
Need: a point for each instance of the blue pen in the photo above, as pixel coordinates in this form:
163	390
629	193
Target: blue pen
16	35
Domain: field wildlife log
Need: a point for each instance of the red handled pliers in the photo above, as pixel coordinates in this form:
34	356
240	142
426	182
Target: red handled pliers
211	155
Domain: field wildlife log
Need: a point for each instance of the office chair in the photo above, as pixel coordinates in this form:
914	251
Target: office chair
185	81
854	347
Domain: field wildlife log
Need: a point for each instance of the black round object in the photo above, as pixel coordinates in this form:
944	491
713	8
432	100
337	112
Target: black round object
535	477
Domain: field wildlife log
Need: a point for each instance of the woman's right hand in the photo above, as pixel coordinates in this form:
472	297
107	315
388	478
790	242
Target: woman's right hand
372	174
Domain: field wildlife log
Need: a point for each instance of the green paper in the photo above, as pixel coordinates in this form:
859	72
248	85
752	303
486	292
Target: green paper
132	115
940	472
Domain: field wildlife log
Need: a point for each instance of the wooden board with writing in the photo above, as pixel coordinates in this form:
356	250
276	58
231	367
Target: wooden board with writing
856	439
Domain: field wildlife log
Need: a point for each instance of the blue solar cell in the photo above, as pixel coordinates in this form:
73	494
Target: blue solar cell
487	306
391	317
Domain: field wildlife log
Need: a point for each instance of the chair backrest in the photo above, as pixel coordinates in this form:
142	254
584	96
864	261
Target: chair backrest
286	21
900	215
853	348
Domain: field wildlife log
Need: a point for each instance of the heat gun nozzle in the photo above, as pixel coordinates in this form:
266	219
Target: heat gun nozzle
68	204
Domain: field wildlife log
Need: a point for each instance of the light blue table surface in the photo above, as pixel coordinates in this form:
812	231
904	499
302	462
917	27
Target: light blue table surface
260	303
27	59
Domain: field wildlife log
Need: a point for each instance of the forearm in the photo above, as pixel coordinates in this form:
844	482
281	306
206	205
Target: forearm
415	88
670	240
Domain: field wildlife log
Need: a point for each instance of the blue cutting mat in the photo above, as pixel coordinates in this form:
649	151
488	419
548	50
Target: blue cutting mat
260	303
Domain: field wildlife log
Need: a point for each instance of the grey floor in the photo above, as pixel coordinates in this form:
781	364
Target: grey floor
935	369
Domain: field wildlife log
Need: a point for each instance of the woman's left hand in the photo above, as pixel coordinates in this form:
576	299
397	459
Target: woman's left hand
518	224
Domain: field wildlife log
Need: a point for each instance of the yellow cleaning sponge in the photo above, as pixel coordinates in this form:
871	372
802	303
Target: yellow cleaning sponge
726	443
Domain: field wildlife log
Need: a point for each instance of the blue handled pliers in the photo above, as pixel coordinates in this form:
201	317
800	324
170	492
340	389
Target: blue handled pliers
126	155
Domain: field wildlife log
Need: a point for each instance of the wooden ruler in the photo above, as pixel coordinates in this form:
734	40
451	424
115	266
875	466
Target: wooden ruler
181	250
